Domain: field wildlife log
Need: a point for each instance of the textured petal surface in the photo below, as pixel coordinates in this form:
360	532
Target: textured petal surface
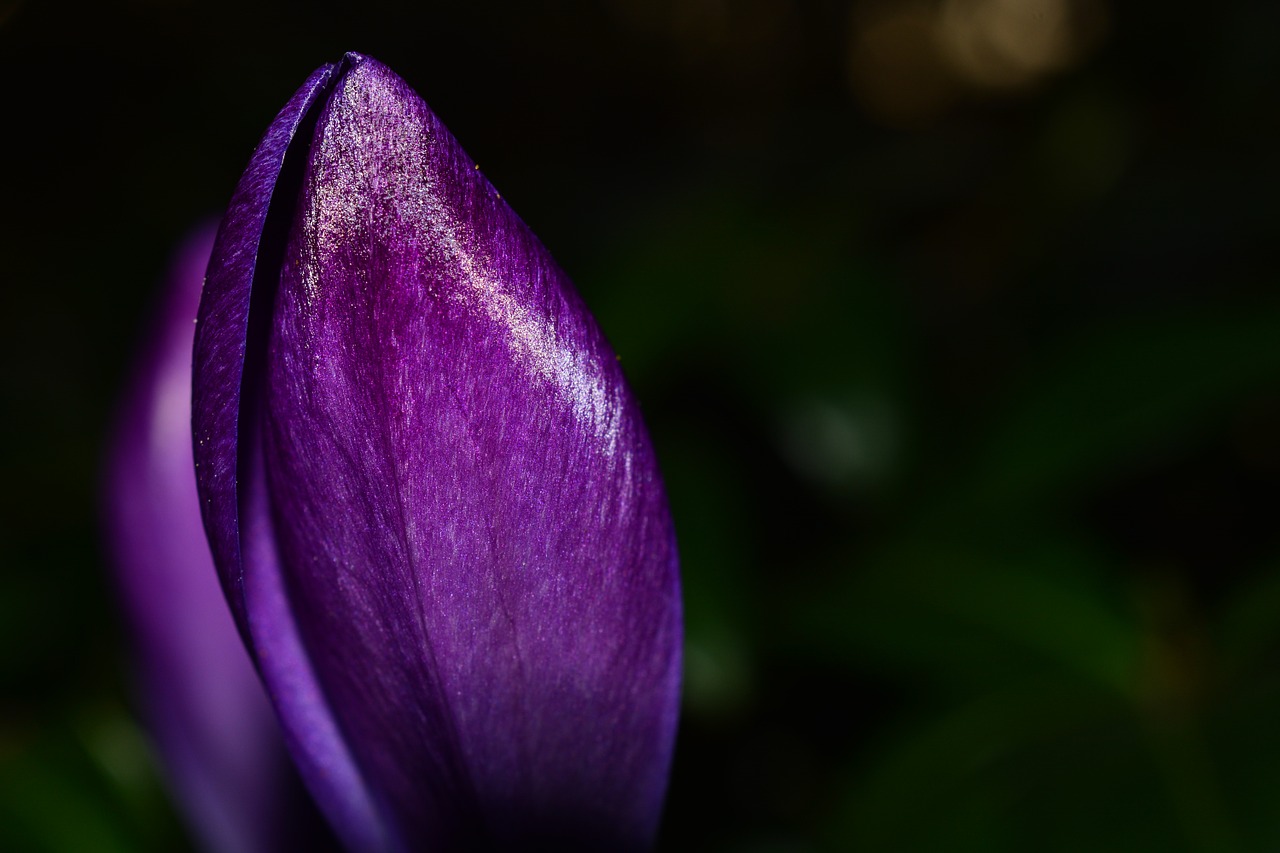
222	334
474	536
228	390
211	721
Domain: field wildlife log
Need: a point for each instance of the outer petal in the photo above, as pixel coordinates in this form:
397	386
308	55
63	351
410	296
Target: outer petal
211	721
226	408
241	254
475	537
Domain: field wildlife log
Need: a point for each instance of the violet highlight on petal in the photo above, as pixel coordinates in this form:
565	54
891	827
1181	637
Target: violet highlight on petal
214	730
430	497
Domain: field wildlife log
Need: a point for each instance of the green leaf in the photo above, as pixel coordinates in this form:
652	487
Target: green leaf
1115	398
964	615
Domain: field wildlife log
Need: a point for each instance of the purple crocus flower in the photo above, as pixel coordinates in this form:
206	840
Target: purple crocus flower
210	720
430	497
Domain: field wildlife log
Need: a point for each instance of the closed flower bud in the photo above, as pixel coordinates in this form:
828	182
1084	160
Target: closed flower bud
430	498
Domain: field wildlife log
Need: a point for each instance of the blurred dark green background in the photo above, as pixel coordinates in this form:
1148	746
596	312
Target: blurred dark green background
957	326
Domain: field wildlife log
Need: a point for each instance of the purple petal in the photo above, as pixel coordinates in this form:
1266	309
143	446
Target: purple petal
475	538
213	726
226	402
222	335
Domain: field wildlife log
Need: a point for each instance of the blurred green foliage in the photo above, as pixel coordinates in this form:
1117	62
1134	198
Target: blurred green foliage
966	388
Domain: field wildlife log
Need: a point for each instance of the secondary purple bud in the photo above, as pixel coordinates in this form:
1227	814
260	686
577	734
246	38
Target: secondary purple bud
430	497
204	705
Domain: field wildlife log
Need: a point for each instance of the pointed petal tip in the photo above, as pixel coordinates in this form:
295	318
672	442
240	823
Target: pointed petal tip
223	327
234	319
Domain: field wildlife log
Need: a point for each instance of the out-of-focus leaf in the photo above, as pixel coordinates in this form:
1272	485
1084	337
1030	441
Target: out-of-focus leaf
969	616
1115	397
778	294
54	799
713	554
1244	742
951	783
1248	622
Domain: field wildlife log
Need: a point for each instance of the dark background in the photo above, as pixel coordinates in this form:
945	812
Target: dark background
956	325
